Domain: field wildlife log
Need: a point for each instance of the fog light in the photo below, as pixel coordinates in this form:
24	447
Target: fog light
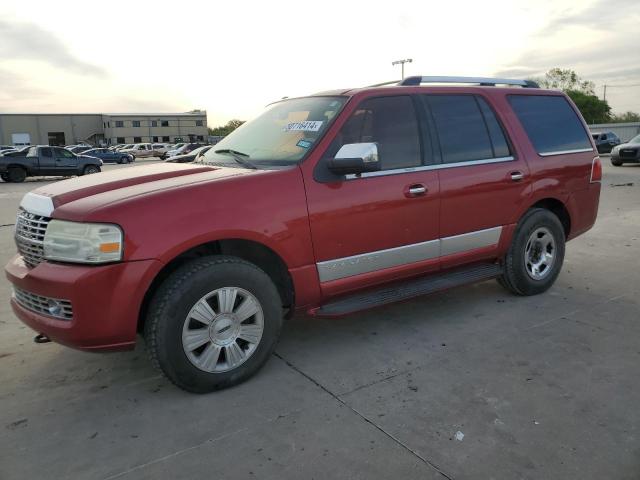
54	307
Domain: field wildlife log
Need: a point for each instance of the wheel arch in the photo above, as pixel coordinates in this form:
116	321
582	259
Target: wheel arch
558	208
250	250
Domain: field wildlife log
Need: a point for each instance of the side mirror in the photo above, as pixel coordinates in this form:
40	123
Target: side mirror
355	158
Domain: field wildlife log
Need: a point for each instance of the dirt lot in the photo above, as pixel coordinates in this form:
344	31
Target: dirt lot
473	383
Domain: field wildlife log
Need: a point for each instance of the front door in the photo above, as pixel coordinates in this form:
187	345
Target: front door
66	162
484	181
379	226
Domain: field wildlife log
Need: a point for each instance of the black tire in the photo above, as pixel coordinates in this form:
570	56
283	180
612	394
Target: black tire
90	169
17	174
180	292
5	177
616	163
516	277
120	161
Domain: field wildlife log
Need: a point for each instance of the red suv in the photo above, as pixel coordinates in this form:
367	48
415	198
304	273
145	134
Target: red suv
327	204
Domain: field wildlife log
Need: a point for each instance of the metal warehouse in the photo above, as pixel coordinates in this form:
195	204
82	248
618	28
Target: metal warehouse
101	128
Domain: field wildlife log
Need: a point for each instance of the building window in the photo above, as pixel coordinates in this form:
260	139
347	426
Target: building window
108	124
137	139
119	124
165	138
120	140
164	123
198	123
154	139
104	124
154	123
200	138
135	123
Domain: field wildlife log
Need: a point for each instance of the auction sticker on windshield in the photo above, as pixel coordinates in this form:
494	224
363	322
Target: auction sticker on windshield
307	126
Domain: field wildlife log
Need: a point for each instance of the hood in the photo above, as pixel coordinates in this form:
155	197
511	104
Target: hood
123	183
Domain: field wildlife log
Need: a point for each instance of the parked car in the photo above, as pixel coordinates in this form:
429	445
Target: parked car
18	152
173	150
45	160
328	204
77	149
108	156
140	150
126	146
605	141
183	150
628	152
160	149
192	156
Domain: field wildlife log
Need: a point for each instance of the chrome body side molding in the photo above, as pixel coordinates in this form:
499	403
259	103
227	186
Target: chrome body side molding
338	268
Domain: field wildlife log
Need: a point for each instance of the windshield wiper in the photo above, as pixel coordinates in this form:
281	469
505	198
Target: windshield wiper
238	157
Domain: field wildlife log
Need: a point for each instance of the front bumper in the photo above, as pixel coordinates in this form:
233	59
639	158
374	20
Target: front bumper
626	155
106	301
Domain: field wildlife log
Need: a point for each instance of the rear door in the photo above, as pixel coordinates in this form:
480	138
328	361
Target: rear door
483	178
47	164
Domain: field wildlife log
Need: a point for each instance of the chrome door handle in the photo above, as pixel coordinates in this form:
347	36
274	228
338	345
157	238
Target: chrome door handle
417	190
517	176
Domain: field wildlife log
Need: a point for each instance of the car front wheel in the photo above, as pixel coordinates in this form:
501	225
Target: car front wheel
213	323
616	163
90	169
535	257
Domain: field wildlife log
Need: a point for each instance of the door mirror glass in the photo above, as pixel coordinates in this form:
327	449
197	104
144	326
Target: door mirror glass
354	158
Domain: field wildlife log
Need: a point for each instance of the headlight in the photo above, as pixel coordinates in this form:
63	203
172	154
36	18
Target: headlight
83	242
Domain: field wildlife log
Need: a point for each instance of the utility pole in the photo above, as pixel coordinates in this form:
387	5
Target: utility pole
605	92
401	63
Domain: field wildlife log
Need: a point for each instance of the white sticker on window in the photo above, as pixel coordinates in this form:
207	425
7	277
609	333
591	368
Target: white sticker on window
308	126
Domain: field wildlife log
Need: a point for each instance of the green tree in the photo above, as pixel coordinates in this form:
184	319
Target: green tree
626	117
592	108
224	130
565	79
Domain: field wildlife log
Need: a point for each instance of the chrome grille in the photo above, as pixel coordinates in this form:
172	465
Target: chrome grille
52	307
30	230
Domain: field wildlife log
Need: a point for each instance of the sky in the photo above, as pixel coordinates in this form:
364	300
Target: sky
232	58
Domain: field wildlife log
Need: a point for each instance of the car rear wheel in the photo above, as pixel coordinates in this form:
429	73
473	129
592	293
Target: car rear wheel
213	323
17	174
90	169
535	257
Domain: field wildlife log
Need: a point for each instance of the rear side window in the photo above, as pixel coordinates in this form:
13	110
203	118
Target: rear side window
551	124
46	152
467	128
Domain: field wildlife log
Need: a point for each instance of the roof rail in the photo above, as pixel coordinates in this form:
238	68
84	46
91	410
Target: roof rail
482	81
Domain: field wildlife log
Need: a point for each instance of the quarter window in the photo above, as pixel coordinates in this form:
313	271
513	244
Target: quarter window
391	123
464	135
551	123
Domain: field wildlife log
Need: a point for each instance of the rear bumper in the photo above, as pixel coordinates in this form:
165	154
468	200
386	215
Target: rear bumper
106	301
583	209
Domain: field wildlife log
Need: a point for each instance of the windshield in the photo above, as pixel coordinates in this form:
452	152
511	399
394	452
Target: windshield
281	135
635	140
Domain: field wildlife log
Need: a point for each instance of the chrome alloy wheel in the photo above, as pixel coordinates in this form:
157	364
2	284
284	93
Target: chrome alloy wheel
223	329
540	253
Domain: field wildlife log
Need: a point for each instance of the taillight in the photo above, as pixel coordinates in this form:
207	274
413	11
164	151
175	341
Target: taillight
596	170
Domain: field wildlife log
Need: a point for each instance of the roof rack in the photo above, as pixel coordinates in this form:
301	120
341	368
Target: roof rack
482	81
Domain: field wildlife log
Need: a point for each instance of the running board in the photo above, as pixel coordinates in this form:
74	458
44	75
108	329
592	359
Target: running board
403	291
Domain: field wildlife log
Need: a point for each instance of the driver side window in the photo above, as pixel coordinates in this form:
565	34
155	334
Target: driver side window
391	123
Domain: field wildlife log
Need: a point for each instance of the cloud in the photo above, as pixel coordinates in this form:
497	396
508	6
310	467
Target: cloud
28	41
15	86
599	15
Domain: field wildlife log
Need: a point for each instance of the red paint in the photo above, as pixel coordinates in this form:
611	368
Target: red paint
167	209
